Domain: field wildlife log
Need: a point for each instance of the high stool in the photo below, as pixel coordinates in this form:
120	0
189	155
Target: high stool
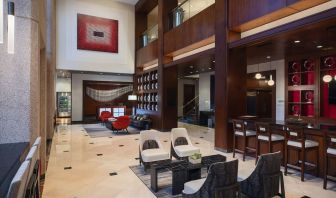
296	140
239	128
265	134
329	152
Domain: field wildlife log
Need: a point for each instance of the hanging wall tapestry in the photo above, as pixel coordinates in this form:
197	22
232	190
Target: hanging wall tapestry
97	34
107	95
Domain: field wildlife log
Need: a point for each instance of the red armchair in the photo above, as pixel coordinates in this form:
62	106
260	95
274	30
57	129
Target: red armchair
121	123
104	116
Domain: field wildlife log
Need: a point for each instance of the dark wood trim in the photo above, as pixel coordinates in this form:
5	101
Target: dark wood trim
191	57
328	14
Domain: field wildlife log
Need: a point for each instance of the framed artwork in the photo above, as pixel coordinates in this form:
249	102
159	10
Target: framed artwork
97	34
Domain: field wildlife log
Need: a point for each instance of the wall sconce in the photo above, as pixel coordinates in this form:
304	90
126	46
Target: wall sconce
11	26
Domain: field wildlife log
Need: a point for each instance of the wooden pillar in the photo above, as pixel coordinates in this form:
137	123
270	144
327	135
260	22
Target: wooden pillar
167	78
230	83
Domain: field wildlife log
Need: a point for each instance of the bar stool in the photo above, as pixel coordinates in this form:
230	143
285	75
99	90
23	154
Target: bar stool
239	128
265	134
296	140
329	152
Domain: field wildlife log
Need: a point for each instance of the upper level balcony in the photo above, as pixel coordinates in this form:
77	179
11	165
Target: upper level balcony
186	9
149	36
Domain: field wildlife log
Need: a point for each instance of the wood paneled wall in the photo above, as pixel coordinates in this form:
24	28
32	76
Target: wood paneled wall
196	29
90	106
147	55
248	14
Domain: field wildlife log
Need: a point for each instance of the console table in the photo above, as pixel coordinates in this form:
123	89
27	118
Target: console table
182	171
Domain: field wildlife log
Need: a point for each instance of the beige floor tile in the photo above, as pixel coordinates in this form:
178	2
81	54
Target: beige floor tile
89	176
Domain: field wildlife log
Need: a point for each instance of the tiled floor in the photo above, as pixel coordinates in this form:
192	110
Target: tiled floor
88	174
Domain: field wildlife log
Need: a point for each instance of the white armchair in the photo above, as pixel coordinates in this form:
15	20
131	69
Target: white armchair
181	146
151	149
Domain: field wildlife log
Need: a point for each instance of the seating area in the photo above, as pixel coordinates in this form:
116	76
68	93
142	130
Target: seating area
296	143
222	177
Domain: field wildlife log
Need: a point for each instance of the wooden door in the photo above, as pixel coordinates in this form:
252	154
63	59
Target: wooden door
264	104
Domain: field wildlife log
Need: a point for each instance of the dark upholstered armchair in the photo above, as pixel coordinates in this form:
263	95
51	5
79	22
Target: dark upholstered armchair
220	182
265	179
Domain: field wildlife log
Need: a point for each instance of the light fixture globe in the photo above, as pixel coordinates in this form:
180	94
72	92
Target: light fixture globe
258	76
327	78
271	81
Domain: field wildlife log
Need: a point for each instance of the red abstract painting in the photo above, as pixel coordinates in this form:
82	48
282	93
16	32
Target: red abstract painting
97	34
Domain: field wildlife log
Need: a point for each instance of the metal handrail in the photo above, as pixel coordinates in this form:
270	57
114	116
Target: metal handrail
190	101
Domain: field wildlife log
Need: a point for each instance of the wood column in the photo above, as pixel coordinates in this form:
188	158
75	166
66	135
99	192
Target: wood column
230	82
167	80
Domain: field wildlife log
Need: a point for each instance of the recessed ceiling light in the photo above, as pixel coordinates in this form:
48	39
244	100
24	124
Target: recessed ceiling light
213	61
319	46
191	66
268	57
196	71
297	41
191	72
210	68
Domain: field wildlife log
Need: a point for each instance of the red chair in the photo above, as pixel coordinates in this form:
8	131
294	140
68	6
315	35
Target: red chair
104	116
121	123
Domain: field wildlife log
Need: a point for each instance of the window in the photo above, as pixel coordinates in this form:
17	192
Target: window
118	112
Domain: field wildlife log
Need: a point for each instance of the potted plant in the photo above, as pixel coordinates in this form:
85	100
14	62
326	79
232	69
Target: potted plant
196	158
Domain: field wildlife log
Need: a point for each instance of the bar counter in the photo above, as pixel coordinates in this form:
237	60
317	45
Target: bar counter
314	132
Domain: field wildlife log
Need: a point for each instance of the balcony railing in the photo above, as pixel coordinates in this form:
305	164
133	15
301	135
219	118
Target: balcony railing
149	35
186	10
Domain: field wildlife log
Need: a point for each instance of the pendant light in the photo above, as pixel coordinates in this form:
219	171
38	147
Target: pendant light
258	75
11	27
271	81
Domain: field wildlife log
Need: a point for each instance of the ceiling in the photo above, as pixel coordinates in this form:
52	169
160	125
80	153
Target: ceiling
312	39
192	68
132	2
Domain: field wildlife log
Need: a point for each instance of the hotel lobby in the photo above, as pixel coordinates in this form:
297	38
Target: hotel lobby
168	99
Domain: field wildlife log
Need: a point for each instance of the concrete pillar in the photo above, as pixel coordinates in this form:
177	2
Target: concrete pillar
19	77
51	66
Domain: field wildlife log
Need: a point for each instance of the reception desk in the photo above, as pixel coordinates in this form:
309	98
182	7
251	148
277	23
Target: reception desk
314	132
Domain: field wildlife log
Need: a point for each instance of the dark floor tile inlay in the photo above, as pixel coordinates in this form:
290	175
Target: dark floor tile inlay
165	141
305	197
67	168
201	137
91	142
136	158
113	174
121	145
196	143
136	139
66	151
99	154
